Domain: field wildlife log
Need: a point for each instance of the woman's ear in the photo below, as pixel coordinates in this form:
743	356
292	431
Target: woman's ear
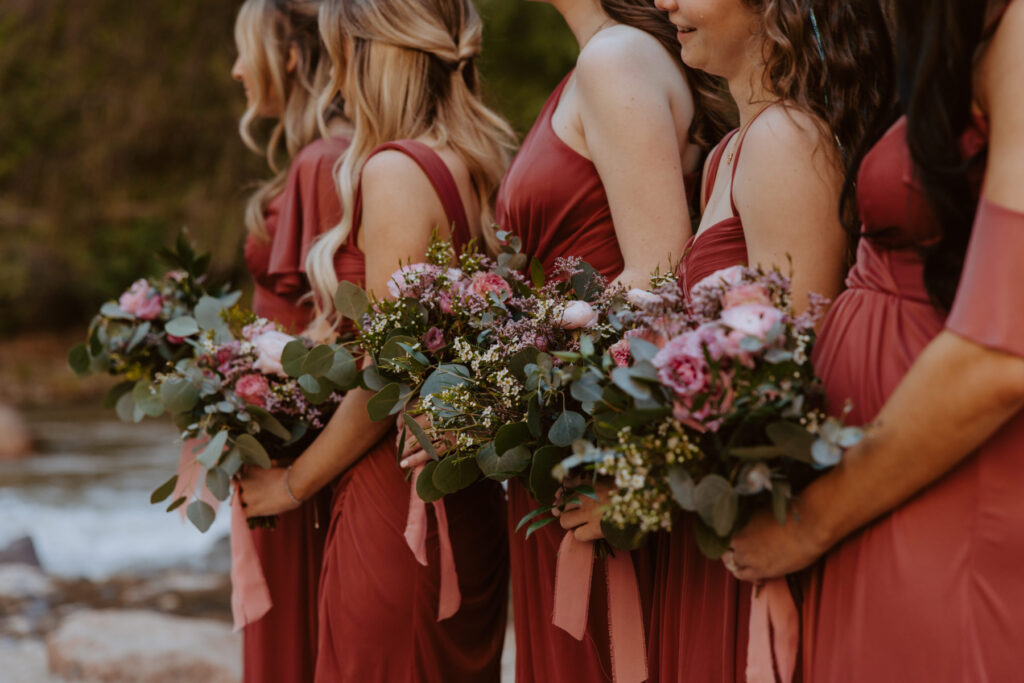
293	58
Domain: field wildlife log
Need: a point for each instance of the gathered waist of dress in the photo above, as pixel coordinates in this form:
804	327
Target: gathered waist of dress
893	272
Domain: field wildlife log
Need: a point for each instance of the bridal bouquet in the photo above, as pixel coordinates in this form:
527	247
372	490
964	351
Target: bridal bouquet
712	406
234	396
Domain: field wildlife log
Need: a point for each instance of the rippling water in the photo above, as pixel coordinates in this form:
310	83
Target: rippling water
84	499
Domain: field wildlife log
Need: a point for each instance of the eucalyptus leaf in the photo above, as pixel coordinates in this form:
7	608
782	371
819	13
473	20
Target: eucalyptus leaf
268	422
318	361
115	312
116	392
140	333
425	488
210	455
125	406
251	451
537	275
625	379
543	486
351	301
185	326
453	475
445	376
510	436
79	360
384	401
724	513
176	503
682	486
795	440
706	495
164	491
587	388
642	350
293	356
709	543
218	483
147	400
421	436
629	537
569	427
179	395
781	493
506	466
372	379
344	370
232	463
201	515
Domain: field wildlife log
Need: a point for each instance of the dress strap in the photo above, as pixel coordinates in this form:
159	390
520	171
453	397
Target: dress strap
735	157
440	177
715	162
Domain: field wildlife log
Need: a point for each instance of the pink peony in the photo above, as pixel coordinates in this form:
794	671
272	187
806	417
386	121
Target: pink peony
754	320
483	284
746	294
269	347
444	301
620	352
578	315
541	342
682	366
433	339
253	389
641	298
141	300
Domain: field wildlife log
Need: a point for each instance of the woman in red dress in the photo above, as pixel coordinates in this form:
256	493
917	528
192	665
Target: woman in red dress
920	525
600	177
426	153
282	68
770	198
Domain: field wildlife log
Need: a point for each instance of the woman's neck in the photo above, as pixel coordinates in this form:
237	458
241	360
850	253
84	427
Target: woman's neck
339	127
584	17
749	92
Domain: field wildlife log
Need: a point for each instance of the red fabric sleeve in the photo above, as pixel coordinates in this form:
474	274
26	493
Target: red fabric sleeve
309	207
989	309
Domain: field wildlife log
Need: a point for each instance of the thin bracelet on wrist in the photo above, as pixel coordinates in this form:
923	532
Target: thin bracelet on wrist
288	486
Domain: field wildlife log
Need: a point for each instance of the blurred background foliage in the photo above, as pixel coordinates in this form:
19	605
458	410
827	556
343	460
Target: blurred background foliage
118	127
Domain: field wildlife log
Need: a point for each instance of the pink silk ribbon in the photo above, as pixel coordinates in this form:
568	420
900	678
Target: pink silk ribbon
573	577
774	634
250	594
450	598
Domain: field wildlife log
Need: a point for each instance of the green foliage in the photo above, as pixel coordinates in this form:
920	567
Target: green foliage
119	126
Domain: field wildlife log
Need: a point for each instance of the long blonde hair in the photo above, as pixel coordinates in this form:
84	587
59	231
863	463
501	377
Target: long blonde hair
265	33
411	73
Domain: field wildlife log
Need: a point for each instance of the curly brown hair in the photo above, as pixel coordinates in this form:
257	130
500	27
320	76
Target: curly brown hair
841	70
714	111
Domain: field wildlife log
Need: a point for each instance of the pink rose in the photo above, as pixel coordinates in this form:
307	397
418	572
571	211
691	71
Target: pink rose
641	298
483	284
620	352
541	342
730	277
578	315
253	389
746	294
444	301
754	320
254	330
141	300
682	366
269	347
412	280
433	339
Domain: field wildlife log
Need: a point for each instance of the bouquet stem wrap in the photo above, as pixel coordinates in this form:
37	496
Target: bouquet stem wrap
573	578
416	536
774	633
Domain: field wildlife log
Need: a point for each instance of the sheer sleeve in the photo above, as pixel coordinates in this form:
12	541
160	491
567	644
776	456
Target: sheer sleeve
309	207
989	308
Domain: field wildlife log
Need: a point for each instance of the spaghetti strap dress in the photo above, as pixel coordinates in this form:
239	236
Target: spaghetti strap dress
280	647
934	590
378	604
701	612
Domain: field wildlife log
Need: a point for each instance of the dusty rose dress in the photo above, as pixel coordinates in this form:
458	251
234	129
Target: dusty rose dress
934	590
378	605
281	647
701	613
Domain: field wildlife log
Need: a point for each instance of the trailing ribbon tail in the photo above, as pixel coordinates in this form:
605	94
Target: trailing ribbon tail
774	634
450	598
250	595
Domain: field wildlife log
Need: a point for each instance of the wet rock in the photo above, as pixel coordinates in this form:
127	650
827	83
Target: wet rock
20	551
144	647
15	438
22	582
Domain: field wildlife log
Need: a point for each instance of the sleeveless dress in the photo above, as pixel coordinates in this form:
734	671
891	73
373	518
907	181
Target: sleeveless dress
281	646
378	605
701	612
553	199
933	590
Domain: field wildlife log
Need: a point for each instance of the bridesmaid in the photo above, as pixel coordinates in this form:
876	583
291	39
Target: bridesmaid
282	68
770	197
426	153
600	177
921	523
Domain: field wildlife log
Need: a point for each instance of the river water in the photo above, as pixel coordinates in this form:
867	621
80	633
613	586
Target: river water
84	499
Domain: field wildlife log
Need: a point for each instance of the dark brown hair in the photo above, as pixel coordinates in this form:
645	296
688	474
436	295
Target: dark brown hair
714	111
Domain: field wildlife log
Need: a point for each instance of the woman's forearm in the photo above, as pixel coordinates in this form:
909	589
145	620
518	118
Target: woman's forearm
348	435
956	395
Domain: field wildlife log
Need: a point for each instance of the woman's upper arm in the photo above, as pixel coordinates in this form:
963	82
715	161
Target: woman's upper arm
400	212
631	135
787	189
1003	94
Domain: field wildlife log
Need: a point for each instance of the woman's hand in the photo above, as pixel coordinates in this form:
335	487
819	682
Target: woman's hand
263	492
765	549
583	517
413	456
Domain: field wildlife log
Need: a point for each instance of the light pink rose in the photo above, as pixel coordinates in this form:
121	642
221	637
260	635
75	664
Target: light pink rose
141	300
254	330
620	353
754	320
578	315
454	275
483	284
730	277
433	339
444	300
641	298
682	366
253	389
411	280
746	294
269	347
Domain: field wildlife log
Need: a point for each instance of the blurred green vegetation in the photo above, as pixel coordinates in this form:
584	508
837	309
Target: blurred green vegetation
118	126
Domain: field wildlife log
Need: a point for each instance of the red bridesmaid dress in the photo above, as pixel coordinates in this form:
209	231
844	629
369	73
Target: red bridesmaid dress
553	199
281	646
932	591
378	605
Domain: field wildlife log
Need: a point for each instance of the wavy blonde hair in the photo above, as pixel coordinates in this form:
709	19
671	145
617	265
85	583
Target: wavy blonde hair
406	68
265	33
